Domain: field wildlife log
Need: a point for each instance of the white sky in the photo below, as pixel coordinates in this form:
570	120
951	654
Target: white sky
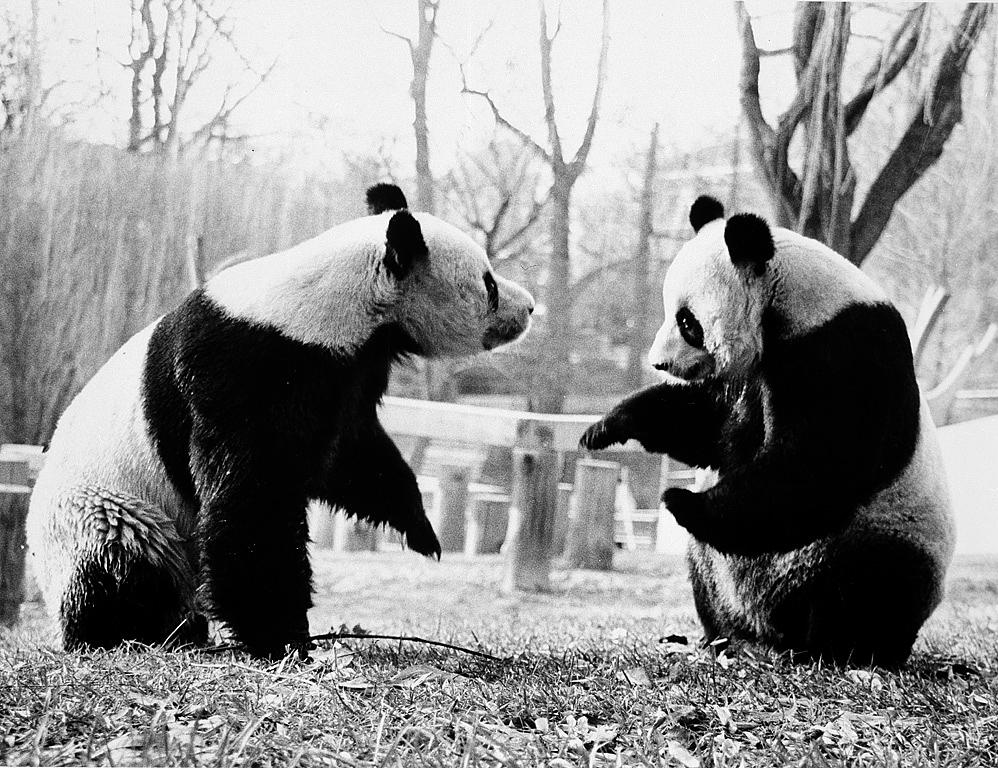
674	61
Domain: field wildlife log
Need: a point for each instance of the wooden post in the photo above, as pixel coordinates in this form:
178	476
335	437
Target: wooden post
527	548
453	505
561	518
590	532
488	519
14	495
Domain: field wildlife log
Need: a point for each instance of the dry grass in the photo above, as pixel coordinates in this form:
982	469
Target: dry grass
586	681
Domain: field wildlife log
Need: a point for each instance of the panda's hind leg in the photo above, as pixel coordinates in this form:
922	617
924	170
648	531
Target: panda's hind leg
872	602
130	579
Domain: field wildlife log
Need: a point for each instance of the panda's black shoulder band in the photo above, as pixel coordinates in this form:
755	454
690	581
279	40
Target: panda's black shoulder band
385	197
749	240
704	210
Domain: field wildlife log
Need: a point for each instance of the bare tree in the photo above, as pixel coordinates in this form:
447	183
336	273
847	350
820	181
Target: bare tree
172	44
419	53
817	197
557	334
495	193
642	267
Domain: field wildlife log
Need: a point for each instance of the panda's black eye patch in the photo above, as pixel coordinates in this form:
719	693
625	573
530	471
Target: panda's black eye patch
492	291
689	328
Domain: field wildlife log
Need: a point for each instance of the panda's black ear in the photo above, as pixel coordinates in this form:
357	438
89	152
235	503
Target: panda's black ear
749	241
385	197
404	244
704	210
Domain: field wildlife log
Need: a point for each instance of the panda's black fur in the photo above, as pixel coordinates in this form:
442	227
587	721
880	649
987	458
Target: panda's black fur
177	481
829	531
312	425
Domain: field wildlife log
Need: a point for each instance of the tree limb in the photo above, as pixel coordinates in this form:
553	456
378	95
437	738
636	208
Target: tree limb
893	58
498	116
579	161
549	112
936	115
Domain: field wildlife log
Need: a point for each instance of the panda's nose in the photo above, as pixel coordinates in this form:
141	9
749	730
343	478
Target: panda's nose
664	366
530	308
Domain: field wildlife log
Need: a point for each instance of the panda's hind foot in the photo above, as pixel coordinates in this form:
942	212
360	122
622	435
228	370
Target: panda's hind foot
130	581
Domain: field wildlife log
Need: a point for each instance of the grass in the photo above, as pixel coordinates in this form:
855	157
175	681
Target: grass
586	680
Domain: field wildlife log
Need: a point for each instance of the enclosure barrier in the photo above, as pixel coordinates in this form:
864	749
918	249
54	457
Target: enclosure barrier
531	519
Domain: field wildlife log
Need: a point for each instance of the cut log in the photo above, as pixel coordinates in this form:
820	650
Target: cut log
14	495
590	532
453	507
530	533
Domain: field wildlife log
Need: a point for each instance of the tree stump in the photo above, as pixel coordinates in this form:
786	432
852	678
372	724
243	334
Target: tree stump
14	496
590	532
561	517
530	533
453	507
488	519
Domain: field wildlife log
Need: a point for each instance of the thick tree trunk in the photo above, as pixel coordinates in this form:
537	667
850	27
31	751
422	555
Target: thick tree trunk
818	201
641	288
555	378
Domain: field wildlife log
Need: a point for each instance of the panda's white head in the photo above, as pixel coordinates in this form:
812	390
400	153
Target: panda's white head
411	270
733	275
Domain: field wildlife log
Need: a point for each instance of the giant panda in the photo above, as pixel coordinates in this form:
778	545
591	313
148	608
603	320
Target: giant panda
176	482
789	372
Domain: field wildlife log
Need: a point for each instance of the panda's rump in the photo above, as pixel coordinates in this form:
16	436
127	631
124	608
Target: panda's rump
101	441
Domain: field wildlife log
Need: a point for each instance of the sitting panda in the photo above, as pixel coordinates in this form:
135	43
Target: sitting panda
790	373
186	464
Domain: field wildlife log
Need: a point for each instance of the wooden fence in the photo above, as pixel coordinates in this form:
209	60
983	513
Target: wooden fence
594	507
532	515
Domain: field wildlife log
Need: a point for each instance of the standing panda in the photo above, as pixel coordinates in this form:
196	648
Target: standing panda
788	370
184	467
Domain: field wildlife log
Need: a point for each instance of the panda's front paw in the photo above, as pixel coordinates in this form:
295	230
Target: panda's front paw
420	537
605	432
688	508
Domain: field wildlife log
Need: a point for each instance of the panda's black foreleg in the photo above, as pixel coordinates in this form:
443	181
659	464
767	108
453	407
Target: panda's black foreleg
255	573
372	481
773	504
682	420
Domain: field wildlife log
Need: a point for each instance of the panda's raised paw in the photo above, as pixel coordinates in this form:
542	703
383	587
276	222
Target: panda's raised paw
687	507
420	537
599	436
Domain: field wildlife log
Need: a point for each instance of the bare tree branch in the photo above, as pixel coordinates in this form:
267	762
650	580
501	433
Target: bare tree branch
549	112
893	58
579	161
501	120
934	118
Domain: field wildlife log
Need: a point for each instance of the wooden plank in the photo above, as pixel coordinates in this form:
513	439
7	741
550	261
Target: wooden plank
481	425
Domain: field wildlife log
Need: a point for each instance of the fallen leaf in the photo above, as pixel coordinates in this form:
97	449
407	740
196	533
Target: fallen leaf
417	674
636	676
682	755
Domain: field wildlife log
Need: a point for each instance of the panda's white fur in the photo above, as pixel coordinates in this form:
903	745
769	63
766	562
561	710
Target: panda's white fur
188	459
102	442
311	291
806	277
828	529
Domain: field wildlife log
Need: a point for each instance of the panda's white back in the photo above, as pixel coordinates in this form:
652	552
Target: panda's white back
85	450
811	282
